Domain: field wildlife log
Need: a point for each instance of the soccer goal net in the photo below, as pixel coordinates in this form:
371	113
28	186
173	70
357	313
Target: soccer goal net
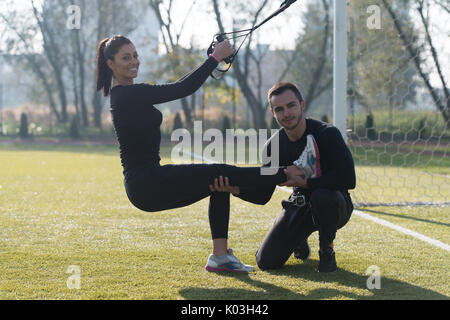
398	59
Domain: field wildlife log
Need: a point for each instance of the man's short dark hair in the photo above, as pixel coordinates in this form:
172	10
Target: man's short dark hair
281	87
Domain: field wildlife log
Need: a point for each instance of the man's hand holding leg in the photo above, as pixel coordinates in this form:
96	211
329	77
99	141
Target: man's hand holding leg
295	178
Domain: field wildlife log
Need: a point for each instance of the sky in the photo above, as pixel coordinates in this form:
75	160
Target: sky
201	24
280	32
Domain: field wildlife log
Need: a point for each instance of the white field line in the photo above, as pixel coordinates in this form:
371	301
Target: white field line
412	233
366	216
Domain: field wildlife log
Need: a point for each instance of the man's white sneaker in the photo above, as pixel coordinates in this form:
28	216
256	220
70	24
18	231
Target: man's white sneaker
309	160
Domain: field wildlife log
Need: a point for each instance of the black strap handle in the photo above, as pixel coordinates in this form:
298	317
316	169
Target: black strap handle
220	38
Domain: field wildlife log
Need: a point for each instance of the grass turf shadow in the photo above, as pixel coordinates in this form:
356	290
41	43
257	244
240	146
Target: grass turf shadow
391	289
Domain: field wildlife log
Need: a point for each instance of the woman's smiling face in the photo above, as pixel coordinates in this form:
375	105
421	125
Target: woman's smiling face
125	65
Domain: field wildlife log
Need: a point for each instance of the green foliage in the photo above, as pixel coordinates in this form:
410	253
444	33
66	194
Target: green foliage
379	70
421	130
177	122
309	51
370	127
23	132
74	130
402	125
226	124
177	63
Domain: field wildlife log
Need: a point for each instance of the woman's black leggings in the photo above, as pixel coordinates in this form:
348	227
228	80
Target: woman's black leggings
173	186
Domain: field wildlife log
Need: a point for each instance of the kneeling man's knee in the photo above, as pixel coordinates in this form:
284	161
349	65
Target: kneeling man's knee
266	262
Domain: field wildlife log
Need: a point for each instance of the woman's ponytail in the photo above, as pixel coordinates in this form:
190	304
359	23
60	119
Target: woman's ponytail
104	73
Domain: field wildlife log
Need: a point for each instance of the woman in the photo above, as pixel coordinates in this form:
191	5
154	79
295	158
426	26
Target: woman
150	186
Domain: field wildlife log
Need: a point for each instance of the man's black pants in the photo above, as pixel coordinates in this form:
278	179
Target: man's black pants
327	211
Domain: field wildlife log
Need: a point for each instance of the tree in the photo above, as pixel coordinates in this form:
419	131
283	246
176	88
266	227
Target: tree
74	130
381	76
48	22
370	127
23	131
79	46
416	53
178	60
60	60
425	18
241	74
248	64
226	124
313	67
19	32
177	123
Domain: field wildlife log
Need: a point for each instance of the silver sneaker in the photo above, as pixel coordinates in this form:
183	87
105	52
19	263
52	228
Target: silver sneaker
228	263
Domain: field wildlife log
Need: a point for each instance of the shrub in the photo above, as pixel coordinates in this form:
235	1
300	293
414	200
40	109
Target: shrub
370	127
23	131
421	129
177	123
74	129
226	124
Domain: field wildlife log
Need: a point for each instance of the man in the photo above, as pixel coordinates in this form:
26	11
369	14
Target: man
324	174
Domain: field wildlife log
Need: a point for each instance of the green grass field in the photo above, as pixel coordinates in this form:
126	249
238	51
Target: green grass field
63	206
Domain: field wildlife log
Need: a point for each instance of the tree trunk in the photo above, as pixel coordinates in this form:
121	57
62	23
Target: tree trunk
171	45
311	91
80	57
258	114
53	55
414	53
37	70
241	73
436	62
